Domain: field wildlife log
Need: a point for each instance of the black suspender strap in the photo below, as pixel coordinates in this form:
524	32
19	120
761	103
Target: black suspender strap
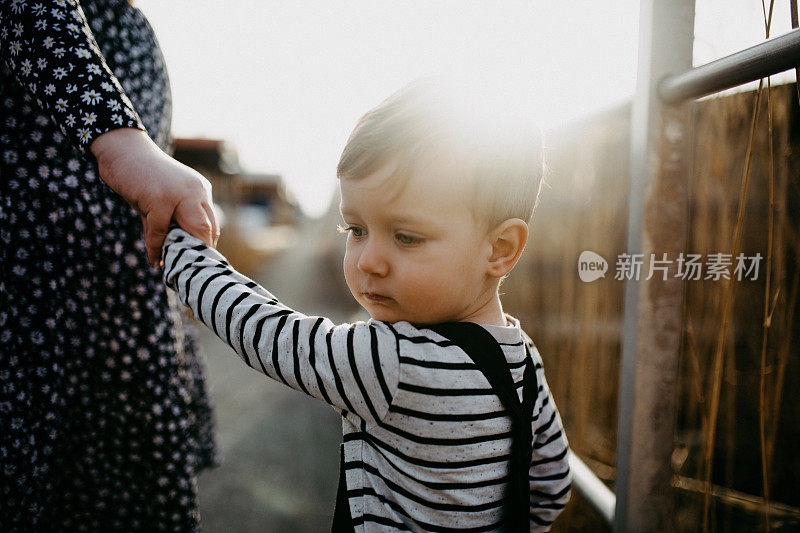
487	354
342	521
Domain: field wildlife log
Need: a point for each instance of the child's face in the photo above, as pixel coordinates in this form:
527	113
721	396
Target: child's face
415	251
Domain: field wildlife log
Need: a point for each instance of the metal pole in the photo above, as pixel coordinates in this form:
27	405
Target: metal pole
657	224
594	491
759	61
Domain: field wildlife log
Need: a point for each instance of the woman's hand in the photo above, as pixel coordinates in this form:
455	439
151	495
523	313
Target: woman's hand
157	186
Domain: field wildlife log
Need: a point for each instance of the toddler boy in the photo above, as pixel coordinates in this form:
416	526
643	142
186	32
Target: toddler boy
447	425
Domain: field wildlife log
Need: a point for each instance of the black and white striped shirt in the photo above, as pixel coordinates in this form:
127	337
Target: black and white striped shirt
427	443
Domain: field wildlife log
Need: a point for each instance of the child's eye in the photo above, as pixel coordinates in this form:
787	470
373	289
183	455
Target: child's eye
355	230
407	240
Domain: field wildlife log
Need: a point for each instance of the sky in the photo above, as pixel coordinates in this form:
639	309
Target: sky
285	82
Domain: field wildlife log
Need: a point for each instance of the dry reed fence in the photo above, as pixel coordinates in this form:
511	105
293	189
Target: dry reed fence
755	377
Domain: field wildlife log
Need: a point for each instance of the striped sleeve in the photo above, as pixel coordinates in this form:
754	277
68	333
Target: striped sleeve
353	367
549	476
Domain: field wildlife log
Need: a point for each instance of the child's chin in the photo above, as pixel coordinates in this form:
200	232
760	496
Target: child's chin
400	317
391	314
381	314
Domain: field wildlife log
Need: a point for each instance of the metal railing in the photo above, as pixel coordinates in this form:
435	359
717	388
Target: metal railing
593	490
770	57
759	61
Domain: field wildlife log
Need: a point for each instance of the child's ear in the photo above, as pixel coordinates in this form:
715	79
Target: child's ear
508	240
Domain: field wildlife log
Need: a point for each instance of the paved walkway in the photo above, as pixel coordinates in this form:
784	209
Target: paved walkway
280	448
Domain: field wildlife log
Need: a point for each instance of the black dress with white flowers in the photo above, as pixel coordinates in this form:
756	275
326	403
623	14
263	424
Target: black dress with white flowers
104	420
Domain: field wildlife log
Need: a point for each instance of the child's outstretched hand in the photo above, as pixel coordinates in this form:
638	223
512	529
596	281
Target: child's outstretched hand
157	186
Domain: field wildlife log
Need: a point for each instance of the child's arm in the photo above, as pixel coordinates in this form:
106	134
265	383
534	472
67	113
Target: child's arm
549	476
353	367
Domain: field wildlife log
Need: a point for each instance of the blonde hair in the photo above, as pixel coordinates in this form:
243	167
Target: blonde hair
499	152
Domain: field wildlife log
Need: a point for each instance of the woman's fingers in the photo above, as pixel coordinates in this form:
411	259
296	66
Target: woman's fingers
156	226
194	219
212	217
144	226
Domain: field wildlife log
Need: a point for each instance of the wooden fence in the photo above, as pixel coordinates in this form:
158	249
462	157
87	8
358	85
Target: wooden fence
577	325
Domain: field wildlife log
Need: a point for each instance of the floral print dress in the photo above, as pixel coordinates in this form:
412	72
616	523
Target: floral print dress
104	420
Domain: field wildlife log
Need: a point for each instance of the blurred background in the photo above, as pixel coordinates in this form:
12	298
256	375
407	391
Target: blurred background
265	94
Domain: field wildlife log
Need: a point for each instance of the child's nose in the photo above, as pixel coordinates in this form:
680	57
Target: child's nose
373	260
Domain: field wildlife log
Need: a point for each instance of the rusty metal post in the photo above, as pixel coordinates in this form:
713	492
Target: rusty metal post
657	224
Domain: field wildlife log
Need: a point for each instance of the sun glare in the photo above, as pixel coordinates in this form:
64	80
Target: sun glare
285	82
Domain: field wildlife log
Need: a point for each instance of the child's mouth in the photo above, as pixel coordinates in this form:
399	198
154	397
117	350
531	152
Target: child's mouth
377	298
